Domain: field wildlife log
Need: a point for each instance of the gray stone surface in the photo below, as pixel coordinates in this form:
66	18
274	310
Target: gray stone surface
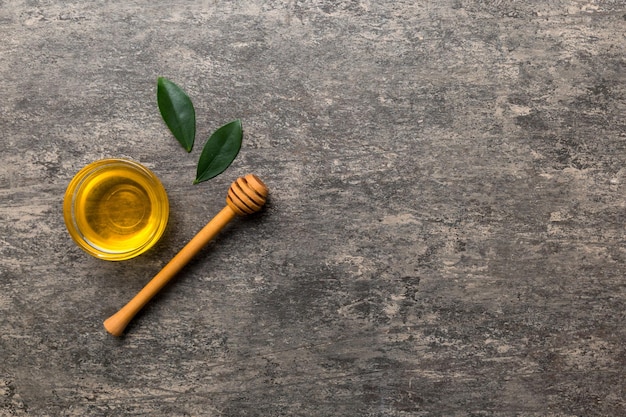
446	229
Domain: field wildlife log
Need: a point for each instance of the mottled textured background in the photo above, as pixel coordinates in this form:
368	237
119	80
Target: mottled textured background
446	231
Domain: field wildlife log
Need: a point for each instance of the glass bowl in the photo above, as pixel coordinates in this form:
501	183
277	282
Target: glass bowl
115	209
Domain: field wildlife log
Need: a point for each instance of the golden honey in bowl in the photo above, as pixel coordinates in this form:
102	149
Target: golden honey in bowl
115	209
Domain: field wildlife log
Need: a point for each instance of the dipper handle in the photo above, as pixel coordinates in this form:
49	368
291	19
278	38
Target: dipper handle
245	196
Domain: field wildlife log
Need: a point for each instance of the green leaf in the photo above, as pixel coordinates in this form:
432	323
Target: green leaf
177	112
220	151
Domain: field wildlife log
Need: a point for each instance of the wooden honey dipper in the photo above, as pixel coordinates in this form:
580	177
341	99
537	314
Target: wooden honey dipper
245	196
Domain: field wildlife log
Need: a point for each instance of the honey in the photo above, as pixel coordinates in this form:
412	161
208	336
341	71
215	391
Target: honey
115	209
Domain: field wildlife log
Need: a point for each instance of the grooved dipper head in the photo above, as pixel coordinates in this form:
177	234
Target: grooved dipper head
247	195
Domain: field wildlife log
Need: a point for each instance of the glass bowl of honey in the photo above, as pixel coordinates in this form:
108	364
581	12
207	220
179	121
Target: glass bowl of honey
115	209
